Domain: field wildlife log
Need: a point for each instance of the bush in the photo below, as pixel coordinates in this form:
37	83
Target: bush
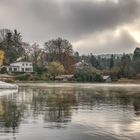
3	70
23	77
9	81
88	77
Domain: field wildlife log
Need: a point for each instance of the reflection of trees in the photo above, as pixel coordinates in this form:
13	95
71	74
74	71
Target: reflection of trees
57	104
60	107
112	97
10	114
136	105
54	104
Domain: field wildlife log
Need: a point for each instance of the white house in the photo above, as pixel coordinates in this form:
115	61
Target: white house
82	65
20	67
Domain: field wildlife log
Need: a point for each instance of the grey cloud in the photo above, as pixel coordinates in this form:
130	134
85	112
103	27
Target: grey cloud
75	19
40	20
122	43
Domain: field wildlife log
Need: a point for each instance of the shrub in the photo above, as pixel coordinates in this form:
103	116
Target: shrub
88	77
3	70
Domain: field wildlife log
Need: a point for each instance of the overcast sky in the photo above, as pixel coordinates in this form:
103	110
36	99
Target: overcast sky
97	26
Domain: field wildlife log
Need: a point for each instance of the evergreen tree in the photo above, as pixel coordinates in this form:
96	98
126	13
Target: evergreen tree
94	62
111	62
11	44
136	60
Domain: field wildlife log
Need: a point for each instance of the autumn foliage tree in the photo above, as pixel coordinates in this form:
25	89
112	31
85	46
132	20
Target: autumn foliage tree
1	57
55	69
60	50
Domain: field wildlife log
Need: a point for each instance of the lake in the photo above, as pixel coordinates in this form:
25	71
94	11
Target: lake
70	112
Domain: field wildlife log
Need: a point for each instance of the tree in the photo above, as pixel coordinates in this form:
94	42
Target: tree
1	57
136	60
111	62
76	56
126	65
55	69
3	34
94	61
11	44
17	43
60	50
35	54
7	47
115	73
88	74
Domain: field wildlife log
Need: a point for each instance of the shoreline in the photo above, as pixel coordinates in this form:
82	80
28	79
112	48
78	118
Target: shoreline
79	85
121	81
129	81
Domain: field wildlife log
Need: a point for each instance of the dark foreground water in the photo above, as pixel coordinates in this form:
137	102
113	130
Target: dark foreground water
74	112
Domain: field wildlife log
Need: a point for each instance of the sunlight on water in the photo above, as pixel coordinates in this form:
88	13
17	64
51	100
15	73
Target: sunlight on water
72	112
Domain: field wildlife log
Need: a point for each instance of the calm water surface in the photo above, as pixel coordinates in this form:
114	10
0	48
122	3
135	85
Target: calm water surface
72	112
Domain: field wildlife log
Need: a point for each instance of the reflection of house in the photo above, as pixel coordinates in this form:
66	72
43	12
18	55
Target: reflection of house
64	77
107	79
82	65
20	67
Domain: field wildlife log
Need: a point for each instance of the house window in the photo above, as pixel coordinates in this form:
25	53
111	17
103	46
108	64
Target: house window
30	64
15	69
26	64
22	69
10	69
28	69
22	64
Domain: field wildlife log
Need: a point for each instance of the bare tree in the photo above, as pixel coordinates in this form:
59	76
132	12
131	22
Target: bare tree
35	54
60	50
3	34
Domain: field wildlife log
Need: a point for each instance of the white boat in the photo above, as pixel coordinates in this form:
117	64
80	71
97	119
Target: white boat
4	85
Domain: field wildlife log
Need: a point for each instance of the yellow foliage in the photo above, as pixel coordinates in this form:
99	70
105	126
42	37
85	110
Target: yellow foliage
55	69
1	57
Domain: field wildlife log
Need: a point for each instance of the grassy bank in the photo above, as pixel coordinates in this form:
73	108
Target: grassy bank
121	81
130	81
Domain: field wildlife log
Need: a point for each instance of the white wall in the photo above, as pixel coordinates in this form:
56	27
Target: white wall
23	66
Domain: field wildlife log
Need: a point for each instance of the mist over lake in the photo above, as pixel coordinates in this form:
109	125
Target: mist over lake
71	112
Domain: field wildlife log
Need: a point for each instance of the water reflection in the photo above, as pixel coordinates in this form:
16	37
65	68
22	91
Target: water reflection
10	114
55	105
100	113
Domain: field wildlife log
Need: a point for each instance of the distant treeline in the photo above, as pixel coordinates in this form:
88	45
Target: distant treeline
118	66
61	52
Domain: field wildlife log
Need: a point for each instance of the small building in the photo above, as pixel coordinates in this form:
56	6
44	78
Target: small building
82	65
107	79
26	67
